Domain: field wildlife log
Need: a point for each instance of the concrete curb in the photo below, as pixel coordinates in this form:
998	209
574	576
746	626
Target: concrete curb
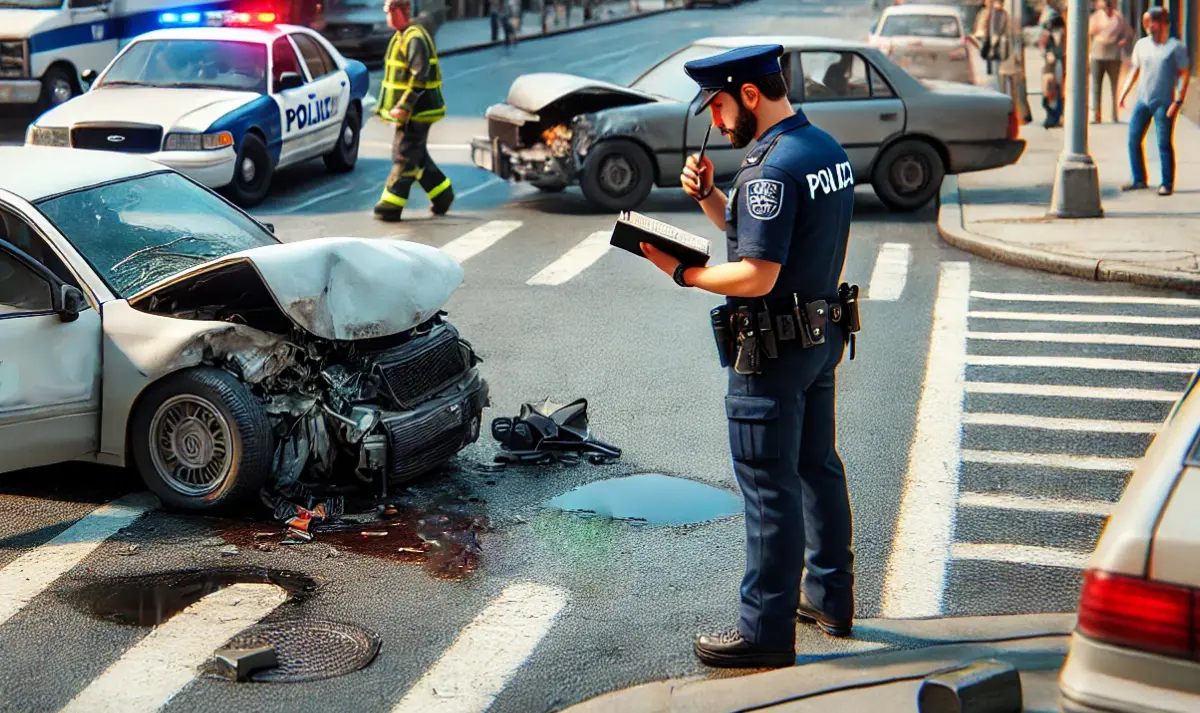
953	230
554	33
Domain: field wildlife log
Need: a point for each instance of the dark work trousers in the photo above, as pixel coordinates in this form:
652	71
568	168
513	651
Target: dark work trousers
411	162
782	439
1102	68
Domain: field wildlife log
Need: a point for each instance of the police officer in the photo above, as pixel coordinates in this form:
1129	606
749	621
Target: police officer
787	222
411	98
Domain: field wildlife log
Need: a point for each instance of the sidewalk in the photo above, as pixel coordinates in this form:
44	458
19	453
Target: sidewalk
471	33
1143	238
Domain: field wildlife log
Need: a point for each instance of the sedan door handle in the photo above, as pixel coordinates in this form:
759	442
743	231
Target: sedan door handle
888	116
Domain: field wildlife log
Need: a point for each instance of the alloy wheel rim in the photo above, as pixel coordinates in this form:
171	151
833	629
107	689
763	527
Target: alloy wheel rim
61	91
910	174
617	175
191	445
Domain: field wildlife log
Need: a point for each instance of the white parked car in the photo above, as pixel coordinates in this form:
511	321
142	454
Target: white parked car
145	320
930	42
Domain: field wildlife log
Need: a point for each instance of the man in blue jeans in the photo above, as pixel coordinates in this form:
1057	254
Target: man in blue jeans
1160	66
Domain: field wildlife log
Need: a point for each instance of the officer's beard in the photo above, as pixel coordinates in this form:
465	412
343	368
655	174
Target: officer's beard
744	128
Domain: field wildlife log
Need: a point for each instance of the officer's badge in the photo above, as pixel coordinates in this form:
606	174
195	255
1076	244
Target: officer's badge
764	198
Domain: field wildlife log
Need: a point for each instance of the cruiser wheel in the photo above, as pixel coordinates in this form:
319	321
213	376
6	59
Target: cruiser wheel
201	440
345	153
252	171
57	88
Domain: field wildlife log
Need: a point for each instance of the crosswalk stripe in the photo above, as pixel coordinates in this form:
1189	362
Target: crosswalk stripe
1129	340
1050	460
1004	501
1077	392
146	677
574	261
1095	363
31	573
1019	554
479	239
890	273
1094	299
1086	318
916	569
477	666
1047	423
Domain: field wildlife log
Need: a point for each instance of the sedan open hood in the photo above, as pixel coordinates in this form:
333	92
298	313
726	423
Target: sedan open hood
333	288
534	92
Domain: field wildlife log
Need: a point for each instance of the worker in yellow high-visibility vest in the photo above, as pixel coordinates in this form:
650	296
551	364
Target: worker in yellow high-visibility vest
411	98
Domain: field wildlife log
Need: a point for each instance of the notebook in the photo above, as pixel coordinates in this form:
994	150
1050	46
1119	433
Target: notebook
633	228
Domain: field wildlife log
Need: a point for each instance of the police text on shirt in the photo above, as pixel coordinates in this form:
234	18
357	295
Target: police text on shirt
830	179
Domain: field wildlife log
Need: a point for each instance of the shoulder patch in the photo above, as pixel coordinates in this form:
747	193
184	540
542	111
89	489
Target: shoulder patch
764	198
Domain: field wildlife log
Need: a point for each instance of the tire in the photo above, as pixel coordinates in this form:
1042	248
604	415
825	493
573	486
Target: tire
617	175
344	155
58	87
908	175
252	172
199	411
549	187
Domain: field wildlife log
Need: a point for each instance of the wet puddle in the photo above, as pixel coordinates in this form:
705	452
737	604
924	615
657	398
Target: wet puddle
149	600
650	499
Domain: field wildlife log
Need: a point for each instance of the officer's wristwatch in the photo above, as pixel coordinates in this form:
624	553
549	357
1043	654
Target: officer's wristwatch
678	275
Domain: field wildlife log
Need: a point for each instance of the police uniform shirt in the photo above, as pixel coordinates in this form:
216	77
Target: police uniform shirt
792	204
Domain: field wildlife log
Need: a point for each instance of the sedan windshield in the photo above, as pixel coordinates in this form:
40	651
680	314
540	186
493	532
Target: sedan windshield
936	26
667	78
141	230
203	64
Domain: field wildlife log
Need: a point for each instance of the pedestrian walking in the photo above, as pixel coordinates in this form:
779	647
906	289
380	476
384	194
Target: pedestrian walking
1053	41
1161	74
410	97
784	327
1109	34
991	31
496	8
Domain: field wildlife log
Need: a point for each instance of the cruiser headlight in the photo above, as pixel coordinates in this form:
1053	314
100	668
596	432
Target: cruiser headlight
44	136
198	142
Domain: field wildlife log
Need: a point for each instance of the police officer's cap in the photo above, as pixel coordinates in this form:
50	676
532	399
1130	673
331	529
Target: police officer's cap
728	71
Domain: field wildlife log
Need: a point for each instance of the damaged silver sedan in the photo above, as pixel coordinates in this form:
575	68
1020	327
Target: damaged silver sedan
146	321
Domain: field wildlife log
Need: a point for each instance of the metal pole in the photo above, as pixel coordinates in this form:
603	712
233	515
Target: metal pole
1076	191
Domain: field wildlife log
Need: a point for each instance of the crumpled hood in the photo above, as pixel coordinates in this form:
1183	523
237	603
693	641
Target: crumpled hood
180	109
345	288
23	23
533	92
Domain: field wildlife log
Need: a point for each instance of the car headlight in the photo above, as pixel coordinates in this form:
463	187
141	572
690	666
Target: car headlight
46	136
198	142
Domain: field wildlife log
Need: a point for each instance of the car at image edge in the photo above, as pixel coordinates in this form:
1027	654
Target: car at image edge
930	42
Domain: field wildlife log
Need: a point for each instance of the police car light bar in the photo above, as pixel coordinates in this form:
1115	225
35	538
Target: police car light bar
191	18
250	18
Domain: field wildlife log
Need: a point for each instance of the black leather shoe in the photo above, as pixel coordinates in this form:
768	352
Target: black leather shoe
806	613
730	650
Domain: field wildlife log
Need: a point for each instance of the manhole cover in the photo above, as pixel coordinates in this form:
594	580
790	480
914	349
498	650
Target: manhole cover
307	649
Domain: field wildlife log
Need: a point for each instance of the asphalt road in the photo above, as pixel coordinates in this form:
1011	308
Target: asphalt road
1007	489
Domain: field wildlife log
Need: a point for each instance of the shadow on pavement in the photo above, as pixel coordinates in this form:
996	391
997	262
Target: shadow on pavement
71	482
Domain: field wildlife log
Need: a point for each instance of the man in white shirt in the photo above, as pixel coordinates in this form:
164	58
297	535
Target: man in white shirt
1110	34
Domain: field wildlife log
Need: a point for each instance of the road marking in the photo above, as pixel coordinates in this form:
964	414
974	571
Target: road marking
1050	460
31	573
317	199
1130	340
1001	501
473	671
574	261
916	571
475	189
148	675
1087	318
1020	554
1047	423
1094	299
1153	367
1077	392
890	273
470	244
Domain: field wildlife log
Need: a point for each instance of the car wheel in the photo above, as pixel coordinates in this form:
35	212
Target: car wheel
908	175
201	440
58	87
617	175
345	153
251	172
549	186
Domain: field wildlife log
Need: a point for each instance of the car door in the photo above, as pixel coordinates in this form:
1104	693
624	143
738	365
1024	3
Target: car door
842	93
326	100
98	29
49	364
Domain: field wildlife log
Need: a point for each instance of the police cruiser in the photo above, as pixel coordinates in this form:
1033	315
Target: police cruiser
225	105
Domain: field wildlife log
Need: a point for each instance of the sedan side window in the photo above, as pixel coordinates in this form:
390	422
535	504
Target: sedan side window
835	76
285	61
318	60
22	291
16	231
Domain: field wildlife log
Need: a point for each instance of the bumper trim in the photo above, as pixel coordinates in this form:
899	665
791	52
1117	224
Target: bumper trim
20	91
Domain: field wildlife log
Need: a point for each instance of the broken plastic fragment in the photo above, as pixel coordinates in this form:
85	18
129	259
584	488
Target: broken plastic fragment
239	664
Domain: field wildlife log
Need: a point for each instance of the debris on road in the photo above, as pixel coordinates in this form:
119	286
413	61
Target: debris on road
548	433
129	550
238	664
304	650
230	550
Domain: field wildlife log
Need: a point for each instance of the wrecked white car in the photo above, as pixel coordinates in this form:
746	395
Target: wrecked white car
145	320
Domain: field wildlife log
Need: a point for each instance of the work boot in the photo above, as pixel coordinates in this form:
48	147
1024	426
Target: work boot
730	650
387	212
806	613
441	204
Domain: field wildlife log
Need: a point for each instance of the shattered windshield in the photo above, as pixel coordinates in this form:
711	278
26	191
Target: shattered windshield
141	230
198	64
667	78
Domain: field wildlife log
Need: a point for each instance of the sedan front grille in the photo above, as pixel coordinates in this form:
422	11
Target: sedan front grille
13	62
420	368
508	133
422	443
126	138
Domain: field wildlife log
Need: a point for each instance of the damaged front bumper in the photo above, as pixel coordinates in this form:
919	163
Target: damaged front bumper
517	149
418	441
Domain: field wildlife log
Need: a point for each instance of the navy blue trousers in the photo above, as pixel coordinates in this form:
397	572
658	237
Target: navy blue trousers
782	439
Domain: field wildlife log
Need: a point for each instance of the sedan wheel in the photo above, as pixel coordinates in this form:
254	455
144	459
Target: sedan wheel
191	444
617	175
908	174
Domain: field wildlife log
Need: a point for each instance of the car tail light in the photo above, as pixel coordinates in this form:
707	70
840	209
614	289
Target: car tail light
1139	614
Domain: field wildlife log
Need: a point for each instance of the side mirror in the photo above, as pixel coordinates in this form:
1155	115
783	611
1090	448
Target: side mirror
70	303
290	80
88	76
270	227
